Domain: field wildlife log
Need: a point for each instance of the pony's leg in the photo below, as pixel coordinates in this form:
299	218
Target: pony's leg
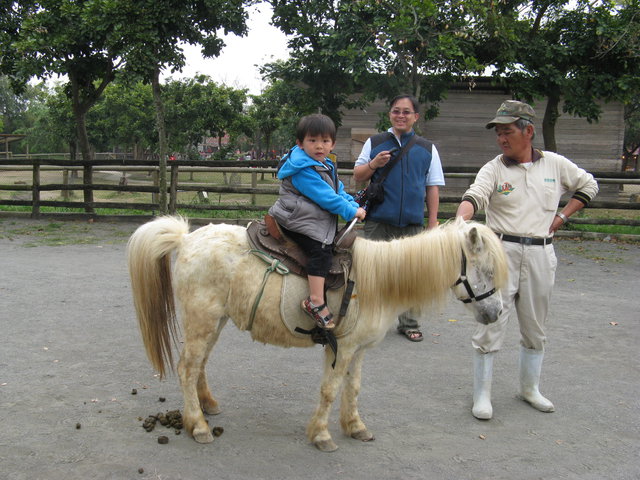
201	333
350	420
317	430
207	401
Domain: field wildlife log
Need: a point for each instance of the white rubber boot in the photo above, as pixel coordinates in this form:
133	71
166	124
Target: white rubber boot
482	374
530	367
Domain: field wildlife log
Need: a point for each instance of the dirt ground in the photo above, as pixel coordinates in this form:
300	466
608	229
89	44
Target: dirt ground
72	356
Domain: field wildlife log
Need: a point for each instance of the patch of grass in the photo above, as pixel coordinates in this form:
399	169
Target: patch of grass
36	234
611	229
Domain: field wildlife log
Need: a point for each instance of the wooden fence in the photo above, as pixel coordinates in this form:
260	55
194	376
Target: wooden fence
248	186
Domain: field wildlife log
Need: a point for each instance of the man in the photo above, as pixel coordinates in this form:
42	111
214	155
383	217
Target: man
415	176
520	191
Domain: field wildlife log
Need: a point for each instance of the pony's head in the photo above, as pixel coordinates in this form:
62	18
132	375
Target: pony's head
483	271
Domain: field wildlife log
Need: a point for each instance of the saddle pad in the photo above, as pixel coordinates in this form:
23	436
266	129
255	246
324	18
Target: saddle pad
294	290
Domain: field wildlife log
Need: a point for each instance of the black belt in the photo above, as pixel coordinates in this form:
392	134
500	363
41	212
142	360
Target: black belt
525	240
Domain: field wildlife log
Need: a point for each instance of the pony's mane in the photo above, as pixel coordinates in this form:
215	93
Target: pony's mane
407	272
418	271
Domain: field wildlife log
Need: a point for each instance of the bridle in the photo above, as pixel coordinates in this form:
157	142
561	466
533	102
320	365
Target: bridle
463	280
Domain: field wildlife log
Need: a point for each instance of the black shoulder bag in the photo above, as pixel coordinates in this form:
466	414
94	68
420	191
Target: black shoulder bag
373	193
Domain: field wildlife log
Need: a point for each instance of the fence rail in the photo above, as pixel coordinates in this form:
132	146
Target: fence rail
248	186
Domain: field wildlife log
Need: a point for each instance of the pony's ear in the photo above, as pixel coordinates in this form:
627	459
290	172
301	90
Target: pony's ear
475	241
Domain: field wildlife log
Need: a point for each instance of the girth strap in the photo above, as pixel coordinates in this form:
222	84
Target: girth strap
346	298
275	265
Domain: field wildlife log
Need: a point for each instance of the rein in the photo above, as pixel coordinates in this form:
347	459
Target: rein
463	280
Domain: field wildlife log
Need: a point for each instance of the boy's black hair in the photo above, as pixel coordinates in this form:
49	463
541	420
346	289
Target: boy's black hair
411	98
316	124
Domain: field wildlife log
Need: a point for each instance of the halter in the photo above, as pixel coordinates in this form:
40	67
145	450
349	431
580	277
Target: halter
463	280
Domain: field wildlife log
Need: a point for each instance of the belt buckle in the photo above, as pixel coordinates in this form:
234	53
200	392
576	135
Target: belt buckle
526	241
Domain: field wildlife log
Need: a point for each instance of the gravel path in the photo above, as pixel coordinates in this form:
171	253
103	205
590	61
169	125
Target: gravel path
71	358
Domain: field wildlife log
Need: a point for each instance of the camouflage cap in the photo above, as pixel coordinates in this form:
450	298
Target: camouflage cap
511	111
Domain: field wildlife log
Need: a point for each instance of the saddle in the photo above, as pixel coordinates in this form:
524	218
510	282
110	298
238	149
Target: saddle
266	235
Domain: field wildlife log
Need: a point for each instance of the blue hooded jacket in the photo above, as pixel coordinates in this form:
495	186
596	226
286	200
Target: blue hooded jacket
309	201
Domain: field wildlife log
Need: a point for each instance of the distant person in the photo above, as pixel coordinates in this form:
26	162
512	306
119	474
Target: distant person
415	177
520	191
311	198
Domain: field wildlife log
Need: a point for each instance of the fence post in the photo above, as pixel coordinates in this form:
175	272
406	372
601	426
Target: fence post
35	190
155	174
254	184
173	188
87	180
65	182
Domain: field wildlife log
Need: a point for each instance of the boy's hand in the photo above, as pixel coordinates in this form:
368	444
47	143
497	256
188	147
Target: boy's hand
361	213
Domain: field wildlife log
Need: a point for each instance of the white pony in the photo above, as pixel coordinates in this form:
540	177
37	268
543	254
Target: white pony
216	278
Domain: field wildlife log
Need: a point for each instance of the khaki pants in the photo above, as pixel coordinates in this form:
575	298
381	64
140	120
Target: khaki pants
532	271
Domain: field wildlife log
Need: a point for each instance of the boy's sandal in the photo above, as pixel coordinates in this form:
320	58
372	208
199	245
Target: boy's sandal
325	322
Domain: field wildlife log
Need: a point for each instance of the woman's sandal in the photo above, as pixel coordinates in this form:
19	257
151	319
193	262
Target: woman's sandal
412	334
324	322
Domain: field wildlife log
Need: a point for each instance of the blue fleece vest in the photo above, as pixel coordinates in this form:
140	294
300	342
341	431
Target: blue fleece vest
404	187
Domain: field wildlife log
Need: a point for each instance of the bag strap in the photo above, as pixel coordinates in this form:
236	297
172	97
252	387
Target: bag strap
397	157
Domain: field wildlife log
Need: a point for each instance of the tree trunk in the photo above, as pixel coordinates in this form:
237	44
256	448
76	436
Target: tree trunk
80	113
162	140
549	121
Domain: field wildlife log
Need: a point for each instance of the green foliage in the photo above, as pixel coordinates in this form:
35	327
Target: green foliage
14	109
124	117
378	49
579	52
274	115
92	42
54	127
632	124
198	106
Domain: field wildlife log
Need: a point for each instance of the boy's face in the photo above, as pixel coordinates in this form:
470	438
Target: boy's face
317	147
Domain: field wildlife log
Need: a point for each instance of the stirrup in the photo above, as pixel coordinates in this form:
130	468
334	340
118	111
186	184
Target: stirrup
324	322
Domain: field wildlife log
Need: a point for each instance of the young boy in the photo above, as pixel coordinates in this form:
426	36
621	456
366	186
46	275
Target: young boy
311	198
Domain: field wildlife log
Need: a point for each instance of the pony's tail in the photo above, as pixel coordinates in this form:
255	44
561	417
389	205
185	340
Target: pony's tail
149	260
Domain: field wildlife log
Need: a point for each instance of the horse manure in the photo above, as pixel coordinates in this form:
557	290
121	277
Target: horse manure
170	419
162	440
134	392
78	426
162	399
141	470
149	423
217	431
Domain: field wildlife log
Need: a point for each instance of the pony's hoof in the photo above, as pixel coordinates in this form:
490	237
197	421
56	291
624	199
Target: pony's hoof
203	436
326	445
211	410
364	435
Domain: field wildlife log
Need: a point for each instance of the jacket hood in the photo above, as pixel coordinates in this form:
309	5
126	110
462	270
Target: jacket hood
296	161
